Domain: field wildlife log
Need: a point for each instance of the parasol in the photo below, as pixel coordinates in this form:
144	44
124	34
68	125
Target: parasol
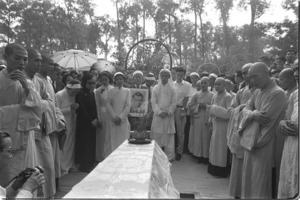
75	59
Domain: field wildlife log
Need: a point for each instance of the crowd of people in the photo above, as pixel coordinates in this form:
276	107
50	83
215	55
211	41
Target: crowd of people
244	126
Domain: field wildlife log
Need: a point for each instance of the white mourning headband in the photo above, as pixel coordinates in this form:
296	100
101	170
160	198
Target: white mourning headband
150	78
74	86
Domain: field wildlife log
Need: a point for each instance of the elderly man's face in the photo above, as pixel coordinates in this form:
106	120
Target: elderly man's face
138	78
257	79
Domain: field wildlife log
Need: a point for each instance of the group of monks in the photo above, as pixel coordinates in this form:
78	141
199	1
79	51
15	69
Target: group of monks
251	135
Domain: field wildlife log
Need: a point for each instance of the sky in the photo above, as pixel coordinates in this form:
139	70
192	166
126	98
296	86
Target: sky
238	17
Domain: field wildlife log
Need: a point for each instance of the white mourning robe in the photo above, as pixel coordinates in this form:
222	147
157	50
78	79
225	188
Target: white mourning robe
64	101
53	136
42	140
22	132
164	99
199	136
103	144
218	142
233	140
257	166
118	104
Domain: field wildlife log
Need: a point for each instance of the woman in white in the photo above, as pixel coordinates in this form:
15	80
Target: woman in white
66	102
103	144
118	106
163	102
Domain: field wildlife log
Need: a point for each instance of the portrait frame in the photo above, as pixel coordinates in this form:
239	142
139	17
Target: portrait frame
138	108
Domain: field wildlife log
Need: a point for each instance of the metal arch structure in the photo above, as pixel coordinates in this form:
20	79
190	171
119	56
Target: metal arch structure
147	40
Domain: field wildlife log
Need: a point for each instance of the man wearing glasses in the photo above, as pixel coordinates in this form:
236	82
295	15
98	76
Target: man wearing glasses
17	188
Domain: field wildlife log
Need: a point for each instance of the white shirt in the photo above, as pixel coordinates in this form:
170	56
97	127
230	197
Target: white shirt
182	90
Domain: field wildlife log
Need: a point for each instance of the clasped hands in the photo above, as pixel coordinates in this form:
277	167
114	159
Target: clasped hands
96	123
18	75
288	128
117	120
261	118
164	114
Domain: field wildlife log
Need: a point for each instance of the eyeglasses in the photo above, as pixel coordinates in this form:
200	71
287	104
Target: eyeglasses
10	151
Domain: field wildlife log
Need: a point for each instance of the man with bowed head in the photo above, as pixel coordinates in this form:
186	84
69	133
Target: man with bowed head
266	108
163	102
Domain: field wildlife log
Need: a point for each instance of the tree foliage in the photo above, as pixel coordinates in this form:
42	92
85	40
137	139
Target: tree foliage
71	24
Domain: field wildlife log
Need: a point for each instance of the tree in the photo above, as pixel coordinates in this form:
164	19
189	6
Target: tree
257	7
9	12
224	6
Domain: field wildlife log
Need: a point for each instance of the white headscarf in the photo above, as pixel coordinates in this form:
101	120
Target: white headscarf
169	83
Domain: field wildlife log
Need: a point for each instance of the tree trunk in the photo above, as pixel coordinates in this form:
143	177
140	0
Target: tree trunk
195	38
203	50
251	32
170	36
119	31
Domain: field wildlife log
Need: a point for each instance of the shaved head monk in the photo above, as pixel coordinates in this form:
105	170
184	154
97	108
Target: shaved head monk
287	81
264	110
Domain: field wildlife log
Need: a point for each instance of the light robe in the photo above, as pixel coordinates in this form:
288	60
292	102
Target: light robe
103	140
279	144
257	166
164	98
233	140
199	138
289	169
118	104
64	101
218	142
42	140
22	132
53	136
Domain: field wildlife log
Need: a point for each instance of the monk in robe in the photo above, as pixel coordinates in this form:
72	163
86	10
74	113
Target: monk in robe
42	139
56	120
66	102
199	139
261	118
289	84
163	102
289	169
218	153
118	106
16	90
194	79
103	144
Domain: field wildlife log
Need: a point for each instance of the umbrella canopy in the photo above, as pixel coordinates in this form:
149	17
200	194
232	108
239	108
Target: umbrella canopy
74	58
210	68
104	65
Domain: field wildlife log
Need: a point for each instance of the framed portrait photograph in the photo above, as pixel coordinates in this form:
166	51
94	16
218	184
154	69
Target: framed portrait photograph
139	102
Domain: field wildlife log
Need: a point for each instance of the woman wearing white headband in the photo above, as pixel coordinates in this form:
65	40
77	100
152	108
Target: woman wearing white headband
103	144
66	103
163	102
118	106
